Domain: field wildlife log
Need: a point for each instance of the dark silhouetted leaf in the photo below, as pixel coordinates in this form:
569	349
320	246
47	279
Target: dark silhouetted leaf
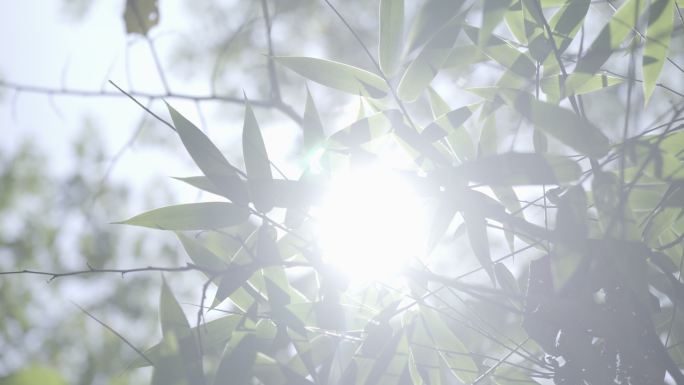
210	160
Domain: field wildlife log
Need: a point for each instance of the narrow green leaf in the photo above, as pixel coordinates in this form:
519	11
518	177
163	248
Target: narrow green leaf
200	255
337	75
312	125
429	61
563	124
505	54
187	357
609	39
506	279
552	86
515	169
658	36
191	216
209	159
257	163
492	15
430	18
446	210
391	35
476	225
366	129
237	363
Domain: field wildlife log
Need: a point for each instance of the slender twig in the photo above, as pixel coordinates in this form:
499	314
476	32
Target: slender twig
121	337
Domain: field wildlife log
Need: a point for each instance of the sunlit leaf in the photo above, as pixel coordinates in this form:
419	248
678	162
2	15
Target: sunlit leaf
608	40
366	129
312	125
391	35
476	225
563	124
552	85
209	159
453	352
658	33
502	52
257	163
429	61
337	75
191	216
492	15
430	18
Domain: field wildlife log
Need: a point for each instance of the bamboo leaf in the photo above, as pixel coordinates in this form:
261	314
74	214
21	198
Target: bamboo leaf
559	122
609	39
429	61
337	75
209	159
191	216
391	35
312	125
431	17
257	163
658	36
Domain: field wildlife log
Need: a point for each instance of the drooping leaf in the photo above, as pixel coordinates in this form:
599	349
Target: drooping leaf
337	75
515	168
563	124
141	15
210	160
444	214
476	225
257	163
658	36
191	216
429	61
391	35
432	16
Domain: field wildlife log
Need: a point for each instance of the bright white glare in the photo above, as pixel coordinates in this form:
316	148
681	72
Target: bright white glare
370	223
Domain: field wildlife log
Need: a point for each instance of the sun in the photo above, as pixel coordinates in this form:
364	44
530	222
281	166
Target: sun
370	224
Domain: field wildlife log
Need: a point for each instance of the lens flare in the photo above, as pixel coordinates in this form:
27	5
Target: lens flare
370	224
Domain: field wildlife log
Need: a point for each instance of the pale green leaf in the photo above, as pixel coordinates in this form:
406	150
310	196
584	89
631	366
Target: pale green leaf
337	75
391	35
658	36
257	163
191	216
